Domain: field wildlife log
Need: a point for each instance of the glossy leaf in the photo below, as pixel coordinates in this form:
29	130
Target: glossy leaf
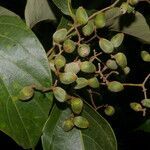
36	11
132	24
22	62
99	135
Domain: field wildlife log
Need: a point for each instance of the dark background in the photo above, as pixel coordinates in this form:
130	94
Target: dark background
125	121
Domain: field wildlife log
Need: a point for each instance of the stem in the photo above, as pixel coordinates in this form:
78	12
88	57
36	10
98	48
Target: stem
132	84
111	6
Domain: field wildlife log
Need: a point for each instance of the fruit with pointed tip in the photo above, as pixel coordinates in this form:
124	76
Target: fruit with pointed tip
115	86
145	56
68	124
88	29
88	67
111	64
117	40
136	106
93	82
81	83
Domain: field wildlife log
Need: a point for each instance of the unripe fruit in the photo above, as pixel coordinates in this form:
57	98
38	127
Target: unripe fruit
145	56
69	46
83	50
121	60
68	125
88	67
111	64
60	35
100	20
60	94
81	16
76	105
124	7
93	82
109	110
52	65
67	77
117	39
126	70
130	9
81	83
59	61
146	103
81	122
115	86
106	45
88	29
73	67
136	106
133	2
26	93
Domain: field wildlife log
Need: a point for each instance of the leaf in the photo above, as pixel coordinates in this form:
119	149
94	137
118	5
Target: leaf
145	126
22	62
36	11
6	12
129	24
62	5
99	136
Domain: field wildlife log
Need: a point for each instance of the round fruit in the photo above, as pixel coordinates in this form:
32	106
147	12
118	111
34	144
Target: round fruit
68	125
93	82
26	93
81	83
83	50
67	77
81	16
145	56
100	20
69	46
121	59
109	110
88	29
111	64
146	103
117	39
106	45
60	94
60	35
76	105
73	67
115	86
59	61
81	122
133	2
136	106
88	67
126	70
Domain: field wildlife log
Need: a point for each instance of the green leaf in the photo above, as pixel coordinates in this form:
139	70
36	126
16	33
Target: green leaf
145	126
6	12
129	24
99	135
22	62
36	11
62	5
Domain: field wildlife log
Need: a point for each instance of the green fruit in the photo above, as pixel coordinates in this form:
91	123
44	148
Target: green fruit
81	83
67	77
100	20
81	122
136	106
93	82
88	29
69	46
83	50
130	9
111	64
117	39
60	35
121	60
76	105
133	2
145	56
68	125
59	61
88	67
109	110
126	70
60	94
106	46
81	16
124	7
146	103
26	93
115	86
73	67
